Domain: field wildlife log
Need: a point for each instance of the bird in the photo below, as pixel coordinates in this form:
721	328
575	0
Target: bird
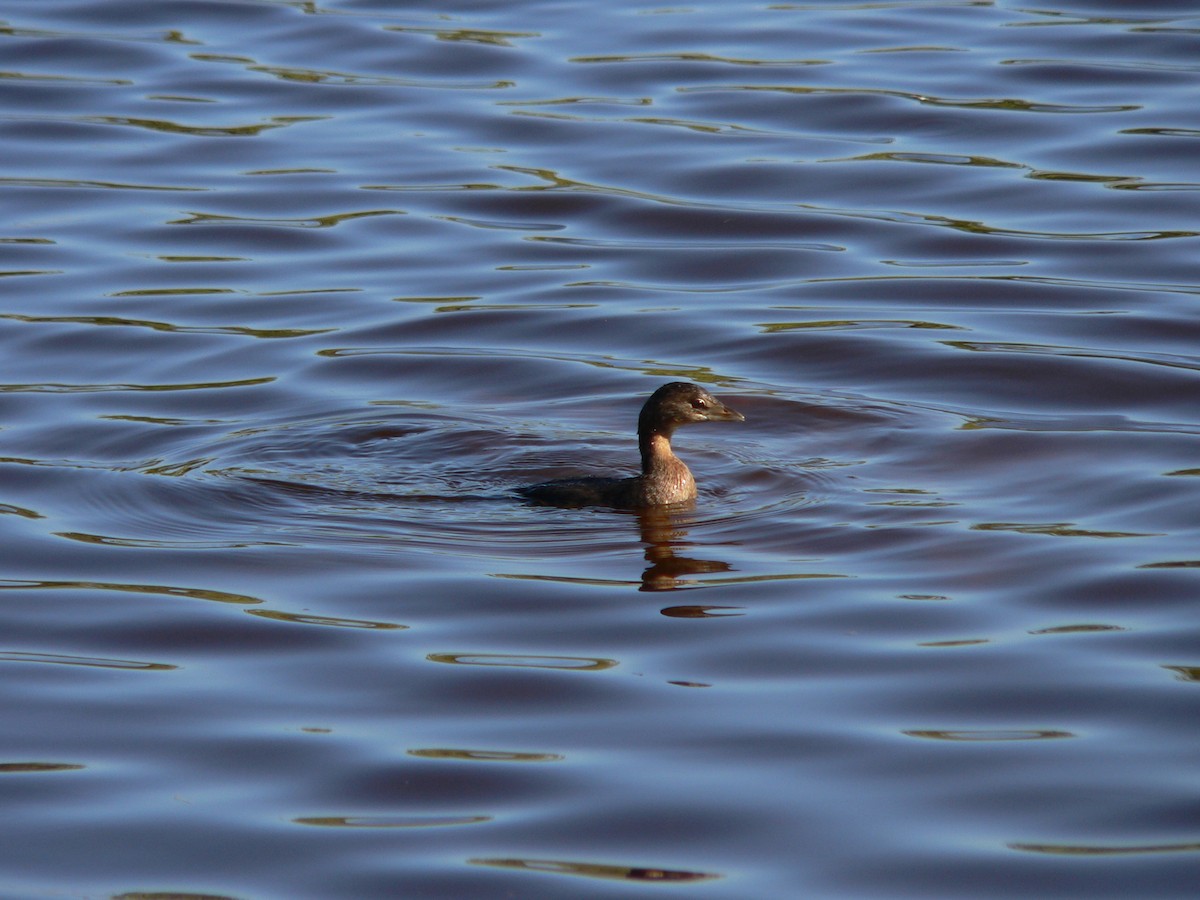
665	479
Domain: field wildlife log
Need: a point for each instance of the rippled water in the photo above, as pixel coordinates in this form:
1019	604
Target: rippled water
294	294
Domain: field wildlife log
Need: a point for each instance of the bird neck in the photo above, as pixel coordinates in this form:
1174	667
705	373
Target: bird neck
657	454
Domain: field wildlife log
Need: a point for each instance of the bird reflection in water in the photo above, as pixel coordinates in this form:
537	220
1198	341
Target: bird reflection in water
663	531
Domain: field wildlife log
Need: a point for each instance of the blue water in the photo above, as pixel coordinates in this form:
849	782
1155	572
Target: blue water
292	295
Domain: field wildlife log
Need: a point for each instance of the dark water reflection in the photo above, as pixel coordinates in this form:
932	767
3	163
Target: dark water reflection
294	294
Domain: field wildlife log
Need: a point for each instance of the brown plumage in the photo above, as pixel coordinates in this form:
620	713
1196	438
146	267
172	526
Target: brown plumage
664	479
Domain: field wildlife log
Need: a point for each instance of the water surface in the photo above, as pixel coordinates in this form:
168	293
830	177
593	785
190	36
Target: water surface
294	294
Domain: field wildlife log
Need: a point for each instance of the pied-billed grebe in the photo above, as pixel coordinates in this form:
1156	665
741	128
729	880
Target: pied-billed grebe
664	479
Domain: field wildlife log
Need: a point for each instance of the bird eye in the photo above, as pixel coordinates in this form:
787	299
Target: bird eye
700	402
